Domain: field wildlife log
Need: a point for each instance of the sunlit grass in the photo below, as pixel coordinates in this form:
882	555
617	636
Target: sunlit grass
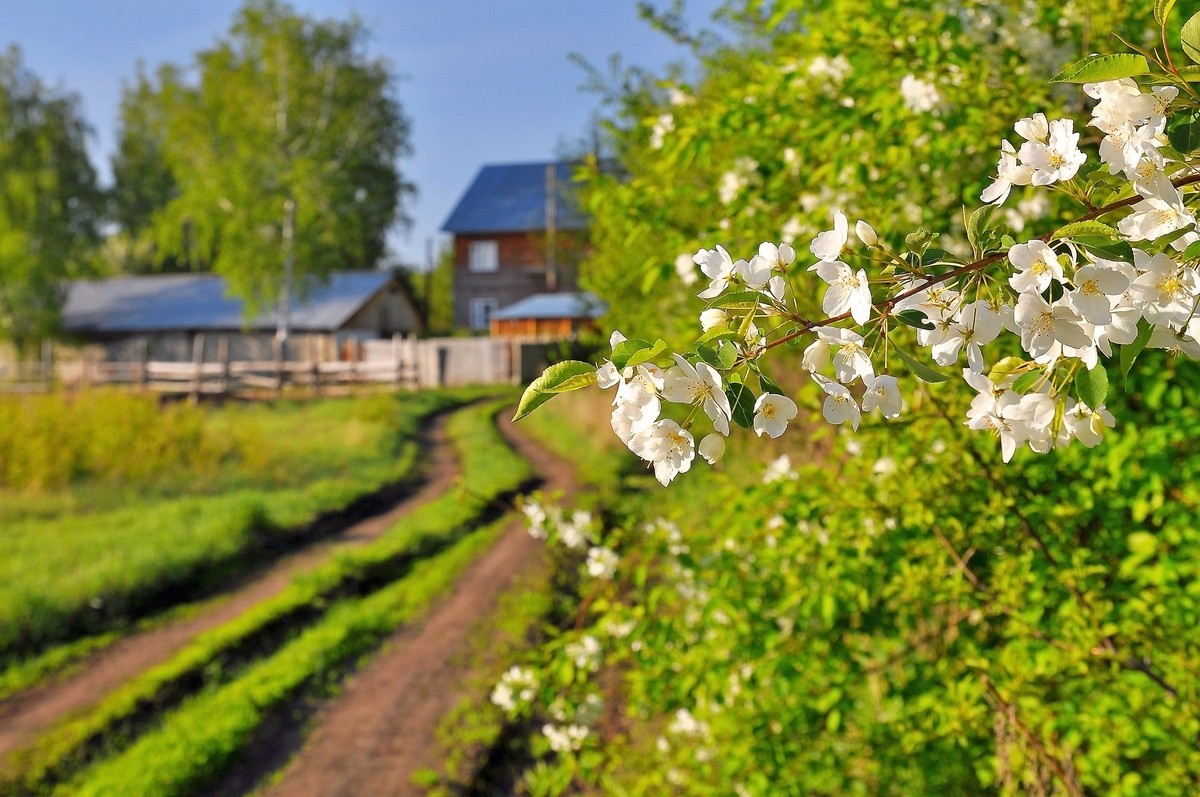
97	565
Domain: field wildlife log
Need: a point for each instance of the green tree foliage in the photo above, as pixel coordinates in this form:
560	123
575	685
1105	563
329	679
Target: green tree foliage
801	112
285	107
143	181
49	201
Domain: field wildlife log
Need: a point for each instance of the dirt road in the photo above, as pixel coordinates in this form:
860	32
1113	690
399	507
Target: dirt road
381	729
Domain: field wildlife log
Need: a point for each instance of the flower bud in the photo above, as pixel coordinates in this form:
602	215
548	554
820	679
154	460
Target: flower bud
713	318
712	447
866	233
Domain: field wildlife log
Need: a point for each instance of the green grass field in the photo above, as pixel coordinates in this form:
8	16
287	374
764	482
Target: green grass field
97	544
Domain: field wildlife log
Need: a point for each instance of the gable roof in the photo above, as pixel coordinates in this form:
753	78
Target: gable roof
199	302
512	198
553	305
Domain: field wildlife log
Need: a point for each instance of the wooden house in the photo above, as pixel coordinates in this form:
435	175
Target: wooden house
170	316
517	232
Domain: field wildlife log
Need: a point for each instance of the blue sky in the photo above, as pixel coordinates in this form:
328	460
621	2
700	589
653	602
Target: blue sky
483	81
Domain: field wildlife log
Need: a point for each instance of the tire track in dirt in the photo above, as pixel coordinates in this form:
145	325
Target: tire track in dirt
382	729
31	712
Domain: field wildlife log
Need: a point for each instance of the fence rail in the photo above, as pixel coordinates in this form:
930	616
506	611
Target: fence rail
400	362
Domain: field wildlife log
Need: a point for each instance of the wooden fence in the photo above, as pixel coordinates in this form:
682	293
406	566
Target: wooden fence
400	362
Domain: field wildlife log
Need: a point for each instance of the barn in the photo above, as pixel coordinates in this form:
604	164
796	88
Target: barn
175	317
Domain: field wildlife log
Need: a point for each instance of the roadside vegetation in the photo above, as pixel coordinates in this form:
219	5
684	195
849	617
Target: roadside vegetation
890	606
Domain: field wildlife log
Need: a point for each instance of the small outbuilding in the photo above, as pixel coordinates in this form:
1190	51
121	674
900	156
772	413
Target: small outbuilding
555	316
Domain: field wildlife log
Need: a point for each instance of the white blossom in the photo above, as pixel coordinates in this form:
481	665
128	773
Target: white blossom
772	413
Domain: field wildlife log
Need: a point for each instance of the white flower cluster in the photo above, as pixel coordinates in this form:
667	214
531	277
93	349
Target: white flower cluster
584	653
565	738
1134	125
920	96
1050	154
602	563
835	69
574	531
516	689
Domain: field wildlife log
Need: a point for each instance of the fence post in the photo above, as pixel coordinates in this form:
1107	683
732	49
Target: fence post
198	364
141	373
397	359
48	363
223	359
311	351
278	346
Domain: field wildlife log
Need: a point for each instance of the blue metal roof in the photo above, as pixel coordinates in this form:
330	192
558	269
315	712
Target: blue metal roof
512	198
554	305
199	302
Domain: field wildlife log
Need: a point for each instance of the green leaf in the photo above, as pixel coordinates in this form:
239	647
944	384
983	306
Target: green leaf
741	401
1098	68
917	242
1189	37
1092	386
626	349
1026	381
1192	252
558	378
1162	8
1001	370
709	355
1142	544
914	318
977	224
650	278
1086	228
738	299
727	354
1107	248
920	370
768	385
1190	73
648	354
1183	131
716	334
1130	351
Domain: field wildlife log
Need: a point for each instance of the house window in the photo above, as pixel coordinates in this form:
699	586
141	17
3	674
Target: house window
481	312
483	256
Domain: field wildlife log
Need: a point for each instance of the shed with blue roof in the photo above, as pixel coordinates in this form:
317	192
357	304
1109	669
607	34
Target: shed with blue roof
165	313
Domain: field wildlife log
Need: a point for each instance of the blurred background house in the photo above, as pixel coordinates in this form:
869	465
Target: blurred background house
517	232
165	317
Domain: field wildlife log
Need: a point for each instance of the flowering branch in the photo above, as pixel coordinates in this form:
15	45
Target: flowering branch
1070	305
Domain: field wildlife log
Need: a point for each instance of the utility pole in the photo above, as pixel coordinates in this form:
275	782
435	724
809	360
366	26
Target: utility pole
551	224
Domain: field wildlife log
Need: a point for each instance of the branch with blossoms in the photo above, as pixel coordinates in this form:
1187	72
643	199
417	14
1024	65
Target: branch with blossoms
1093	293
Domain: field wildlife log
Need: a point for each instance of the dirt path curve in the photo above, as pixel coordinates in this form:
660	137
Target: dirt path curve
31	712
382	729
